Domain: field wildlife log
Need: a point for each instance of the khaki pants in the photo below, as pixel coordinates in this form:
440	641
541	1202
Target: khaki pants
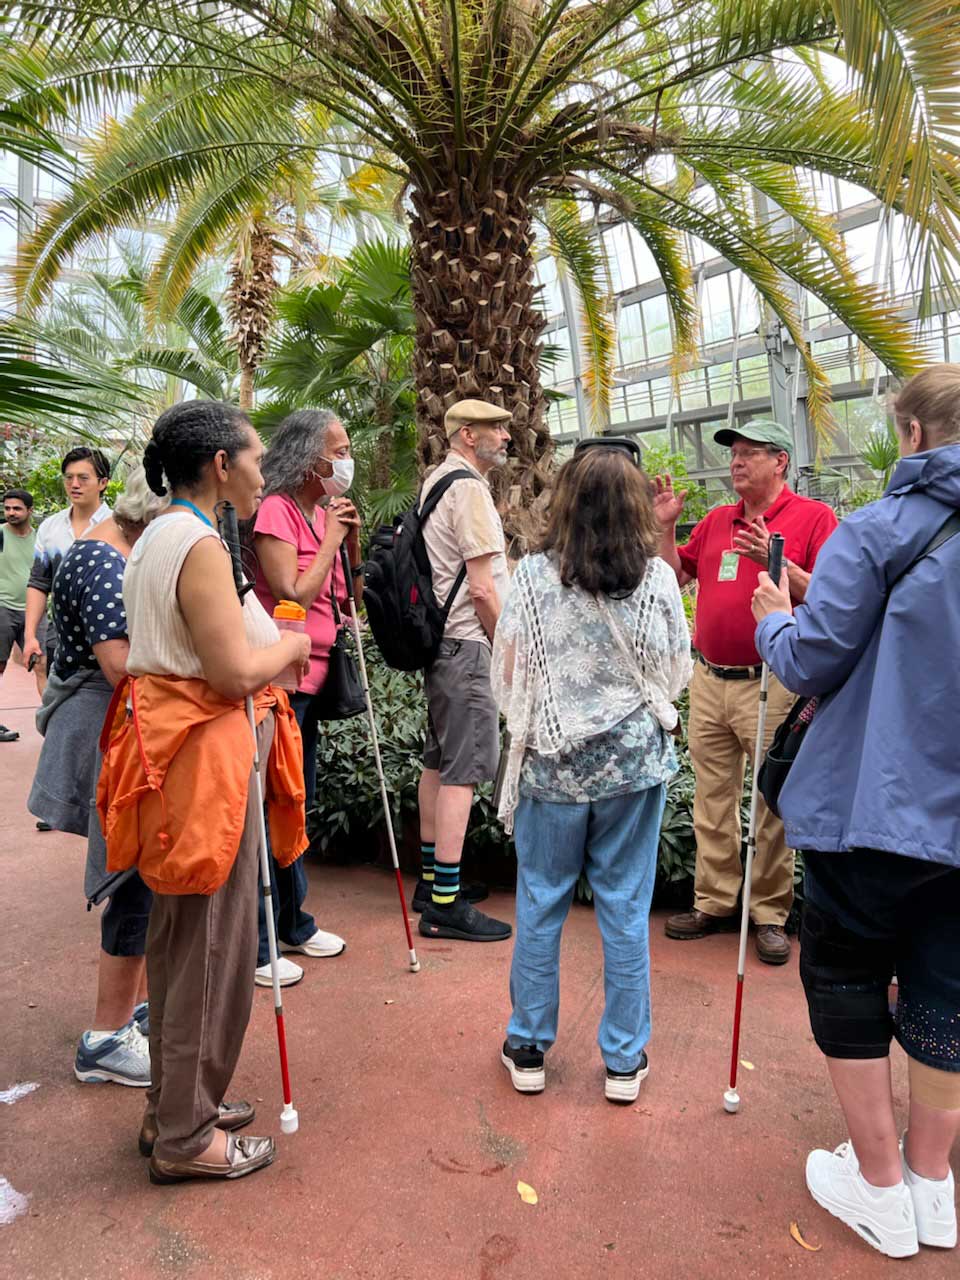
201	954
722	733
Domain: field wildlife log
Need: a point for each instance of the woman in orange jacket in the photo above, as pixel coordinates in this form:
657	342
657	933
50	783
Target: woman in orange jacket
195	653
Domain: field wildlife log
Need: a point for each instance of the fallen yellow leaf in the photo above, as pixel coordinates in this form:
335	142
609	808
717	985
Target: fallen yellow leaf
527	1193
745	1063
810	1248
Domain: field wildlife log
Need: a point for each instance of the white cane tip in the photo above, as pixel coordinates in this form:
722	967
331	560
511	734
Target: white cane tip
414	966
731	1101
289	1120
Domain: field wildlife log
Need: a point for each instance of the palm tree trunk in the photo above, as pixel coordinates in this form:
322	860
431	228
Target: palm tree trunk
245	397
250	308
477	330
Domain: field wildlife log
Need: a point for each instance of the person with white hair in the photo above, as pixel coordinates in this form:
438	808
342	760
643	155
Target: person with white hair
91	658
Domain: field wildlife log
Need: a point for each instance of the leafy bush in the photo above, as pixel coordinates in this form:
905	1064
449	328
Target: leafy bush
347	823
659	460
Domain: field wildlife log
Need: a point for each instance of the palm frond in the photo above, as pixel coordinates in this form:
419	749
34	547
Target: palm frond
577	253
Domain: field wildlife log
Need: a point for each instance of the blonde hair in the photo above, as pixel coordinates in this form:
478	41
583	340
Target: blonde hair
137	504
932	398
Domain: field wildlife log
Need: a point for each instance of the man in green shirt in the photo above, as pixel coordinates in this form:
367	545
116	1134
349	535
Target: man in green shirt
17	537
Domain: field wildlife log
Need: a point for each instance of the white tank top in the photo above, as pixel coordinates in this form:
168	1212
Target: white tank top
160	641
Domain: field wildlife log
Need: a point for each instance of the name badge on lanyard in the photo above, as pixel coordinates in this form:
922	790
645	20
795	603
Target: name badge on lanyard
729	564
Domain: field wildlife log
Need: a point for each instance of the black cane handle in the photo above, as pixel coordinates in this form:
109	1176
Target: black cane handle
226	514
775	558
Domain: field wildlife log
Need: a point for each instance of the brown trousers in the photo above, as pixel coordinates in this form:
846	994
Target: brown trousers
201	954
722	733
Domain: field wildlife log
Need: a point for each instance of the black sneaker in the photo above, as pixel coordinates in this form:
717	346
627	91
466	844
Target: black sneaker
423	897
462	921
624	1086
8	735
525	1066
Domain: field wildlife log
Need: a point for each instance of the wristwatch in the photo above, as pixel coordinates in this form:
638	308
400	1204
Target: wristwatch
356	569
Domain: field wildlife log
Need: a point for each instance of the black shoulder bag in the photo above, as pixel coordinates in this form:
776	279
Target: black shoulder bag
790	734
341	695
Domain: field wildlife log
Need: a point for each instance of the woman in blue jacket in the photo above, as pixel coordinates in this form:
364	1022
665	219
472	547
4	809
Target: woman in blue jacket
873	800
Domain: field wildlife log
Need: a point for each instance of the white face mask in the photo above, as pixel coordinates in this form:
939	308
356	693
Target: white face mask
342	477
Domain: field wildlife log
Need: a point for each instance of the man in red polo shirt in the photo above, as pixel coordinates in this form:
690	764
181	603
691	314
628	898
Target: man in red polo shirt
725	554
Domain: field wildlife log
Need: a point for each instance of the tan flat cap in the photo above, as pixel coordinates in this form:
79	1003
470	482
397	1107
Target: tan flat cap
467	412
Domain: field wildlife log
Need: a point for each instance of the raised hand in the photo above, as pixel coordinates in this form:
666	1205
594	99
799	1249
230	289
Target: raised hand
342	521
754	542
667	503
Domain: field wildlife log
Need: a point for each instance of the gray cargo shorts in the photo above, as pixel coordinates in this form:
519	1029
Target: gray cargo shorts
463	729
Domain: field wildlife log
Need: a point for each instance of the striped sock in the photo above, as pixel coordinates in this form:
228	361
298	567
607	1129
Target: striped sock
427	853
446	884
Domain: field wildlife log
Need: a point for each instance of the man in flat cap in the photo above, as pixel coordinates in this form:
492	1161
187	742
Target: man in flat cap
462	745
725	554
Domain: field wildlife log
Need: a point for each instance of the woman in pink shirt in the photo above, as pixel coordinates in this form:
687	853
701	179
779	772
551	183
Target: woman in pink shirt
298	548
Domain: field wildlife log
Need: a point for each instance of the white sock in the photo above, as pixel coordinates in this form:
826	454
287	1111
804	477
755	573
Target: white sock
93	1038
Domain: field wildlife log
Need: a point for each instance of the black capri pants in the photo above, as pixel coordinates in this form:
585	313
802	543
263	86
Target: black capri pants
869	915
123	923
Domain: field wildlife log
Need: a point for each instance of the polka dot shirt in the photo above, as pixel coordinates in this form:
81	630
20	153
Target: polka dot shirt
87	604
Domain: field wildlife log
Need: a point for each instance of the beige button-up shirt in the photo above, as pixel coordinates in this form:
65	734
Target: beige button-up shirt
464	525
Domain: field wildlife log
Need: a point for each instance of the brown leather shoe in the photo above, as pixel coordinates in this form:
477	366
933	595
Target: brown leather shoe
773	945
697	924
233	1115
244	1155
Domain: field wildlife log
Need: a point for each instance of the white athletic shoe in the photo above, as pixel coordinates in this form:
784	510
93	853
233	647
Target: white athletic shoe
321	944
883	1216
934	1205
290	974
624	1086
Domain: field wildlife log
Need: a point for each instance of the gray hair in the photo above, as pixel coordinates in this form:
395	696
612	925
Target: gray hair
299	442
138	504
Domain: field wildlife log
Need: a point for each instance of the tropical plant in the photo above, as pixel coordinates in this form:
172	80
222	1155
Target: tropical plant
699	118
348	346
94	336
34	391
660	459
882	453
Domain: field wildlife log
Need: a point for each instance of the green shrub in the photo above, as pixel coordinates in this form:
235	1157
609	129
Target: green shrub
348	820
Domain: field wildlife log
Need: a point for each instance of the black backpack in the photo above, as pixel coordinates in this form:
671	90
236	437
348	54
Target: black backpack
405	618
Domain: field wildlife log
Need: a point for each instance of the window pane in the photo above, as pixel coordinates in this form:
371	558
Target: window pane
616	245
8	238
656	317
717	313
646	267
631	335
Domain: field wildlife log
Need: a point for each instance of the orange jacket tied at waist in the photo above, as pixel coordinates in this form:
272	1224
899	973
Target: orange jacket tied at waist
172	794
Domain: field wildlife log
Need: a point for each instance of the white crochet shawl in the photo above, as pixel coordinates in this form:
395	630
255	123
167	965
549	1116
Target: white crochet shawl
568	666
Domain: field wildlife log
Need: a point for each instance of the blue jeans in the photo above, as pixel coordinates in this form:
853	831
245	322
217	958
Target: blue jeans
615	842
294	925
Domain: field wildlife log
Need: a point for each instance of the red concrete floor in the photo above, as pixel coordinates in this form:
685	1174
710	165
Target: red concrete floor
411	1139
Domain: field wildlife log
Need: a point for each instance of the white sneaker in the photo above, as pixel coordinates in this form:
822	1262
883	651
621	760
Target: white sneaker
290	974
321	944
883	1216
934	1205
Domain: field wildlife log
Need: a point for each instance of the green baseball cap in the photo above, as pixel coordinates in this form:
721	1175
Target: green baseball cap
760	430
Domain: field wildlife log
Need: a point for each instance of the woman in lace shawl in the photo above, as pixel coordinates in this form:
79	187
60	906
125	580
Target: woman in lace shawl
590	652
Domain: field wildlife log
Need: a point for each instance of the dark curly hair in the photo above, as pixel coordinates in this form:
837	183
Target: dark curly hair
600	525
186	437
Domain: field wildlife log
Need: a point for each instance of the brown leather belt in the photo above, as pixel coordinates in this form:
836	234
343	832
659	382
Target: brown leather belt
731	673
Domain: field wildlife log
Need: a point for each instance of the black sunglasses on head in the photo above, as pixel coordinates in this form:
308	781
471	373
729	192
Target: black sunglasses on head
623	443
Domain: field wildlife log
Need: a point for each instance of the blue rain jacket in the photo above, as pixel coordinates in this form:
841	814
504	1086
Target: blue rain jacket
879	767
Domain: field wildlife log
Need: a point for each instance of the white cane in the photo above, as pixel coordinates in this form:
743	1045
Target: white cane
414	962
731	1099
